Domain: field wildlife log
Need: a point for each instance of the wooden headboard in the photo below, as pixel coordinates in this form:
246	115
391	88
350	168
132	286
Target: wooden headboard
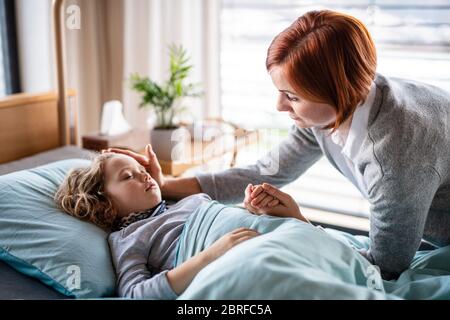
29	124
32	123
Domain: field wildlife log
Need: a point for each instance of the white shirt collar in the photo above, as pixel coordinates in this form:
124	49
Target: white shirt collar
351	133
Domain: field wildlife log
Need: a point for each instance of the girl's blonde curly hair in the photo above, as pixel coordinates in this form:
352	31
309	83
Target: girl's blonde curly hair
82	194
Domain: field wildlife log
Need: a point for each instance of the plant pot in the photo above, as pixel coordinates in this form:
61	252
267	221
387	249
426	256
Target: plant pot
169	144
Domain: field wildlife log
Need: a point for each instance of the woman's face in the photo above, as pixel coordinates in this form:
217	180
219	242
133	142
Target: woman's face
129	186
306	114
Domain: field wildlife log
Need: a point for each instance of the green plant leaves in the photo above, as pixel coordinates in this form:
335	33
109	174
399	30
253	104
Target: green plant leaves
162	97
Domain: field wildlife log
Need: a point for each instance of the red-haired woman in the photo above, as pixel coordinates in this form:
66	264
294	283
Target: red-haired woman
389	137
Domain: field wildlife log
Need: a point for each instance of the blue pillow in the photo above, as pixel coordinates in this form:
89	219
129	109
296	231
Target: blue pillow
39	240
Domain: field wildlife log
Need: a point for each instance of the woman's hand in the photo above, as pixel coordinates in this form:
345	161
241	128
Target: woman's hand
227	242
148	160
256	199
267	199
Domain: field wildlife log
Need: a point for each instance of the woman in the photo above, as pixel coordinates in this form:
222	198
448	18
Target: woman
389	137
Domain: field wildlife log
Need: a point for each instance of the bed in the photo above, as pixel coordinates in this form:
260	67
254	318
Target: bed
29	137
289	260
36	129
277	275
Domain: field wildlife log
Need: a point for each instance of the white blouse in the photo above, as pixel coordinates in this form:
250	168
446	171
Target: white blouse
348	138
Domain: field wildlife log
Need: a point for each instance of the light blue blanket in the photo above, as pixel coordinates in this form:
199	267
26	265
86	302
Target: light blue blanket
295	260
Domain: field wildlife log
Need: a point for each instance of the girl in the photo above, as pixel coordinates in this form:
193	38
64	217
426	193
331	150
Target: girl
117	194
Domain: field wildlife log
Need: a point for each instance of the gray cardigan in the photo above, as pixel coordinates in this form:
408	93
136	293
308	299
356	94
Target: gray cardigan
404	160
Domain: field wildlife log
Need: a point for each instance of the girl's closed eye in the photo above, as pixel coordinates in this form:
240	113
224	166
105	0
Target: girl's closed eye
128	176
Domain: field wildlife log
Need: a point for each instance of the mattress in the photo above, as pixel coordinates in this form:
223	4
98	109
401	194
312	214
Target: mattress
14	285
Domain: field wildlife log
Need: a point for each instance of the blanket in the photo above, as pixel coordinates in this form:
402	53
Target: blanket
292	259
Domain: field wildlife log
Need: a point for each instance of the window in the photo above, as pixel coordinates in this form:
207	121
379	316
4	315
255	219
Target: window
9	69
412	40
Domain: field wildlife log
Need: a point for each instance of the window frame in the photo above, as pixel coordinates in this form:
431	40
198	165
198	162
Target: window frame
9	46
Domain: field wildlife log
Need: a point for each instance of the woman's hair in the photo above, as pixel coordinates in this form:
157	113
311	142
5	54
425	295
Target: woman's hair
82	194
327	57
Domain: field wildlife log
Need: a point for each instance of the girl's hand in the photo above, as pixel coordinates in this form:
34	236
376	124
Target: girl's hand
228	241
181	276
287	206
148	160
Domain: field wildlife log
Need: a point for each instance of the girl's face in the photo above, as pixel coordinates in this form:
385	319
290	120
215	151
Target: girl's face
129	186
306	114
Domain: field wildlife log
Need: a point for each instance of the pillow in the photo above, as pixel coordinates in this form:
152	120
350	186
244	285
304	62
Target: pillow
39	240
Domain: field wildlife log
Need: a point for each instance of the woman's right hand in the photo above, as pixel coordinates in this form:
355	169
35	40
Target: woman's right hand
228	241
148	160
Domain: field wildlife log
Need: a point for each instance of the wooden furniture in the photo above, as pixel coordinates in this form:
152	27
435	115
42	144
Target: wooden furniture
135	140
33	123
229	138
200	152
29	124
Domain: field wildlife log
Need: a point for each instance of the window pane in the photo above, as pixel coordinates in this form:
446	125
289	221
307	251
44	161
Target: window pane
412	40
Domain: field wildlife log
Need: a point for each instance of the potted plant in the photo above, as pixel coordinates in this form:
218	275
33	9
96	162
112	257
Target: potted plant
166	136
